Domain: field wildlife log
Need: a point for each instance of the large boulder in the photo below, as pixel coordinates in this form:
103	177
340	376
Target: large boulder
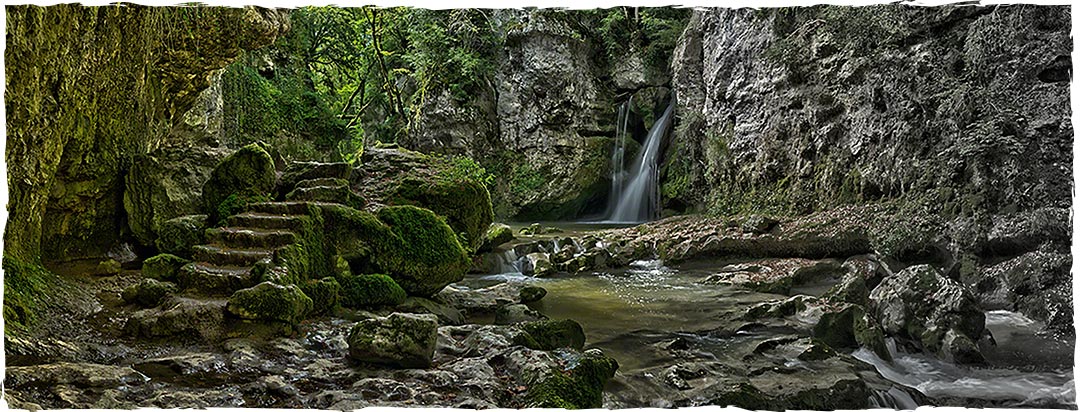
496	234
270	302
165	184
931	311
413	246
148	292
179	235
247	173
443	185
400	340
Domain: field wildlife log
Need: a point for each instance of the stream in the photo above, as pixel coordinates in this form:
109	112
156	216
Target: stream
629	313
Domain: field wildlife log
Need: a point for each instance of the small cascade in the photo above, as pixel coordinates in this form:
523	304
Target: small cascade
638	198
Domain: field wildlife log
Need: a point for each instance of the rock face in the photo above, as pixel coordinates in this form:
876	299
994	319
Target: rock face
794	111
165	184
74	125
402	339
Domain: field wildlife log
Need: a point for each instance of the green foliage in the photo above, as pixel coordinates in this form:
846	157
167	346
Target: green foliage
651	31
367	291
26	289
525	179
463	169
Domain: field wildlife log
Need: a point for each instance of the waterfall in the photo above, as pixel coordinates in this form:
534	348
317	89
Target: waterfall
618	165
635	196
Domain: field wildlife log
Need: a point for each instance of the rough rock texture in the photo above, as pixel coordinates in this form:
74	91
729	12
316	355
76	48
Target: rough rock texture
88	88
248	172
165	184
178	235
964	107
401	339
937	313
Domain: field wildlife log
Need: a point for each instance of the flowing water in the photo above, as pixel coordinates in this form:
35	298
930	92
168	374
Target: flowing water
634	193
628	312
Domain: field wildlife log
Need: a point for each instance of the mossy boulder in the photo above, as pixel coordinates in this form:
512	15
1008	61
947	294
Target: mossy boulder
148	293
325	294
496	235
364	291
412	245
163	267
27	286
247	173
270	302
551	334
579	387
178	235
403	177
402	340
531	294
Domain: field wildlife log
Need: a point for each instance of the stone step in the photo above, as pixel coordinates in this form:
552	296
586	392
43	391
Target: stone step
220	255
242	237
280	208
264	220
332	194
322	181
215	280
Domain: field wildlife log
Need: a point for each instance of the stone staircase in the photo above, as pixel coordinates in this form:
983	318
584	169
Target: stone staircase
226	263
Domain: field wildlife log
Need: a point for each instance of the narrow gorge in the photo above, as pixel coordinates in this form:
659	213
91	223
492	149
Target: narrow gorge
811	208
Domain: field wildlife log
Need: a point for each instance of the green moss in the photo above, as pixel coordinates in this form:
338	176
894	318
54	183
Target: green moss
412	245
362	291
148	293
177	236
26	288
551	334
579	388
247	174
466	204
270	302
325	294
235	204
163	267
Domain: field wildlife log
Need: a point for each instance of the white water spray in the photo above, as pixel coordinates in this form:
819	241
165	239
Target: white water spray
636	197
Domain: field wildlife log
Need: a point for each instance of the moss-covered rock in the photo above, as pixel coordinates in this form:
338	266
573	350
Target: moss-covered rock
325	294
178	235
165	184
579	387
402	177
270	302
249	172
163	267
148	293
531	294
74	126
400	340
26	288
497	234
364	291
414	246
551	334
516	313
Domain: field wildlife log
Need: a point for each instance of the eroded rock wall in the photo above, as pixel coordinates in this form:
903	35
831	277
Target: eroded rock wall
87	89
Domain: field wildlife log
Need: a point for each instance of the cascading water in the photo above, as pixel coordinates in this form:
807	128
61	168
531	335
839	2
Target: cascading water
635	195
618	164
